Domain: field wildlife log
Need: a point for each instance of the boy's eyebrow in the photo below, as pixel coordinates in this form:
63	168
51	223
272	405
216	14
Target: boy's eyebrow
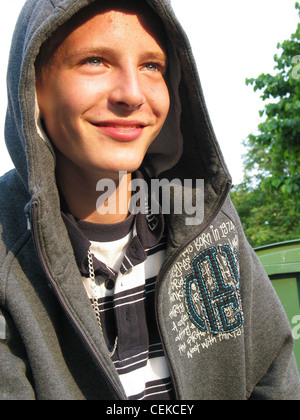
154	55
69	54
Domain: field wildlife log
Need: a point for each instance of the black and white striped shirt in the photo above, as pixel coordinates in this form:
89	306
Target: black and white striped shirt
127	259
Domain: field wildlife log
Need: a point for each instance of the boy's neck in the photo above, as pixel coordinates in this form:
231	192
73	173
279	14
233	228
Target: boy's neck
82	197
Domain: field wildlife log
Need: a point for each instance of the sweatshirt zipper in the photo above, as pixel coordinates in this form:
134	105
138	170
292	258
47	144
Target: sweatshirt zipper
166	267
33	225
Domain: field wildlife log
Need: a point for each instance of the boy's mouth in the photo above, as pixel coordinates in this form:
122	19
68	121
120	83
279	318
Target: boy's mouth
124	131
122	127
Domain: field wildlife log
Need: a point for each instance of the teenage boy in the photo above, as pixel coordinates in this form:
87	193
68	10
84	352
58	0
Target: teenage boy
101	296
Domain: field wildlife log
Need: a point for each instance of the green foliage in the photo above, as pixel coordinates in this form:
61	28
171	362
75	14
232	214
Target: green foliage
266	217
268	201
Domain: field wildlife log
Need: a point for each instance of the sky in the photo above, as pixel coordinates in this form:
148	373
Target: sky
231	41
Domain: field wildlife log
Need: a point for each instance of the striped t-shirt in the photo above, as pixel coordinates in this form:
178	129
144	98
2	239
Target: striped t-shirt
126	258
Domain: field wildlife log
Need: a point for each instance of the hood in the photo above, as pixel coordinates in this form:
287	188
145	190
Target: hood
186	147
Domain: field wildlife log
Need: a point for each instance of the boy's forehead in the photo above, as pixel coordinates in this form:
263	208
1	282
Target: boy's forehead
147	17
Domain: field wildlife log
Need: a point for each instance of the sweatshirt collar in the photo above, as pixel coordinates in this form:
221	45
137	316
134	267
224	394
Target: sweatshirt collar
147	229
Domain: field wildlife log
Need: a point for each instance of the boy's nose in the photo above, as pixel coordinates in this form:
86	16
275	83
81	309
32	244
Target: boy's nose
127	93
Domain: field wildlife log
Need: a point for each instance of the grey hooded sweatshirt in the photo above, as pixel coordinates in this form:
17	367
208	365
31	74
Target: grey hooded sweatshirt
223	329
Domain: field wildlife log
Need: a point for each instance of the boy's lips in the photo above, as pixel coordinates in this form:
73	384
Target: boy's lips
121	130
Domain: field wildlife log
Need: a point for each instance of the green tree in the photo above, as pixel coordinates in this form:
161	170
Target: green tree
268	200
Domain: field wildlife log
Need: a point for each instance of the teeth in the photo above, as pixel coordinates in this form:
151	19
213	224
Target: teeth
121	127
126	127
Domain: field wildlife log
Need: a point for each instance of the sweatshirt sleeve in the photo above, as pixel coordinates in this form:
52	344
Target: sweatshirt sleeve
271	369
281	381
15	381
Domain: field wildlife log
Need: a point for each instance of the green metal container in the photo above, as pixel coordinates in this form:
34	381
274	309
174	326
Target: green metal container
282	264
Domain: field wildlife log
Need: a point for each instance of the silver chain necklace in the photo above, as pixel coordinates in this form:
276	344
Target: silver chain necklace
95	299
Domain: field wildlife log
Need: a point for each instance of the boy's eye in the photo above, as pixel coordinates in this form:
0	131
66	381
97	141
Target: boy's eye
94	61
156	67
152	66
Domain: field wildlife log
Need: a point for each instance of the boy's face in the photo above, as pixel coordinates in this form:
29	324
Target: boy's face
103	97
